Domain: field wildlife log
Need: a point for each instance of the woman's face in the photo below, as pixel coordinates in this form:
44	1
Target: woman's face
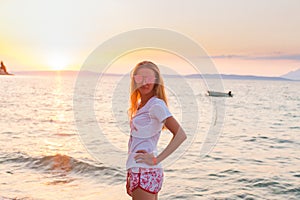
145	80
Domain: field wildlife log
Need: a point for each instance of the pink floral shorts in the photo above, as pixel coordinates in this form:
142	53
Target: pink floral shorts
148	179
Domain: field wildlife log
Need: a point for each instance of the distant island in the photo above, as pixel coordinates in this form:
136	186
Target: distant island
293	75
201	76
3	70
237	77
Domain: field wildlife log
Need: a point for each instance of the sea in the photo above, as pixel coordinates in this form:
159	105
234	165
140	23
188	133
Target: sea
65	137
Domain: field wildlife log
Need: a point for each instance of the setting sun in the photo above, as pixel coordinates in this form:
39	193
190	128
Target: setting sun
58	62
58	67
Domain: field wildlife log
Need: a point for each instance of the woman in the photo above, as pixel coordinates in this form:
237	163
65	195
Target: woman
148	115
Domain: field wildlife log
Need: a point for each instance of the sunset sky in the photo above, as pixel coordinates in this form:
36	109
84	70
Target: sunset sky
255	37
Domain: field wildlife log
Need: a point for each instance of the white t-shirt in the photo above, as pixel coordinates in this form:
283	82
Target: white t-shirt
146	127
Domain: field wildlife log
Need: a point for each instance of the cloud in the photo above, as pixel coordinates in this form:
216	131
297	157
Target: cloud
277	56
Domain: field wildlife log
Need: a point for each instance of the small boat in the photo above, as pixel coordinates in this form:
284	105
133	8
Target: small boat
219	94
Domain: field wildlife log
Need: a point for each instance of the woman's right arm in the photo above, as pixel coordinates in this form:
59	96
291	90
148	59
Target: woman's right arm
178	137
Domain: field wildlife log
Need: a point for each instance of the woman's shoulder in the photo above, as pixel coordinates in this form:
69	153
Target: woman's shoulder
158	101
159	109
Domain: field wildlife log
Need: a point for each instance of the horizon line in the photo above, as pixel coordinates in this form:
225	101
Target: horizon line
185	75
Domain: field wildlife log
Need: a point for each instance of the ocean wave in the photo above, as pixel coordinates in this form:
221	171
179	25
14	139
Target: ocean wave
15	198
273	140
65	164
274	185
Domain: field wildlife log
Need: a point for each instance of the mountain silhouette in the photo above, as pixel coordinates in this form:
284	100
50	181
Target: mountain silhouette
293	75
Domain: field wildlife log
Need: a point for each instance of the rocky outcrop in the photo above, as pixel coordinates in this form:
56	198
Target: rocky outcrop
293	75
3	70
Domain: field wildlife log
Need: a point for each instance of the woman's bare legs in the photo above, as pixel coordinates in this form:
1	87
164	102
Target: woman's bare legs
139	194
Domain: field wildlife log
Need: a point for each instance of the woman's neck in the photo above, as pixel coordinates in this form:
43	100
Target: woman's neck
146	98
